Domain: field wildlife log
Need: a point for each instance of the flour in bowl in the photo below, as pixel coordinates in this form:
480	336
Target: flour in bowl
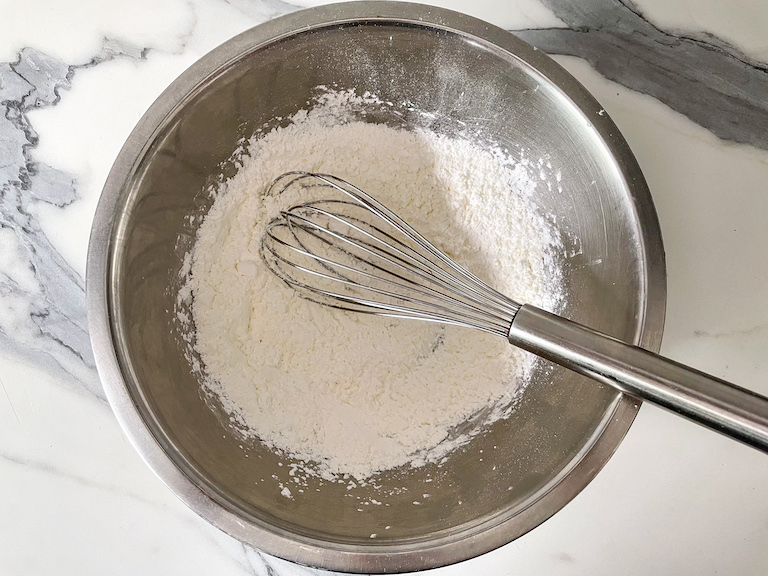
349	393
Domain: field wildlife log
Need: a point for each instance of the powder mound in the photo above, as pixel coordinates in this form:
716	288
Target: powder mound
354	394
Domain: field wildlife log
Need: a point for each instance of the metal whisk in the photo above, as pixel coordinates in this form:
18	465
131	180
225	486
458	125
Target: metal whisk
353	253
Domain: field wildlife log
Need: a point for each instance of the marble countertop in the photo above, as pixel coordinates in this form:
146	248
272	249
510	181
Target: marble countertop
687	84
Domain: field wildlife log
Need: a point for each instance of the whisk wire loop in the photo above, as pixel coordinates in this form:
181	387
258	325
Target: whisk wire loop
463	313
405	260
375	263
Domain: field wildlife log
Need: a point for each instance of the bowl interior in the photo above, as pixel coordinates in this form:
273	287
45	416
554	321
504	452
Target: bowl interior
464	81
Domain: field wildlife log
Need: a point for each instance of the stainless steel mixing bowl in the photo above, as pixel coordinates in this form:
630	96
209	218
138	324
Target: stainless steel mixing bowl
468	73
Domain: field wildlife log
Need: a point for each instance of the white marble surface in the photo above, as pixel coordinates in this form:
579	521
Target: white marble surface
76	498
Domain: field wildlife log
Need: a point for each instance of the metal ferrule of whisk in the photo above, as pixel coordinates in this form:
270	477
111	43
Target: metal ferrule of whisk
343	248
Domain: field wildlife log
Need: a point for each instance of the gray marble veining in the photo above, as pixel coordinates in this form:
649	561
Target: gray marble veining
703	78
43	298
260	564
264	9
49	469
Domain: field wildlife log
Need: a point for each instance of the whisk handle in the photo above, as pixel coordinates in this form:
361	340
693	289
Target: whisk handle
714	403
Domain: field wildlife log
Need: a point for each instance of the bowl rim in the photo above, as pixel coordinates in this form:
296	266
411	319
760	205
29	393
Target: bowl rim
372	558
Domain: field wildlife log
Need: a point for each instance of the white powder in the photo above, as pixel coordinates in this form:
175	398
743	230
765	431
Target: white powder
354	394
